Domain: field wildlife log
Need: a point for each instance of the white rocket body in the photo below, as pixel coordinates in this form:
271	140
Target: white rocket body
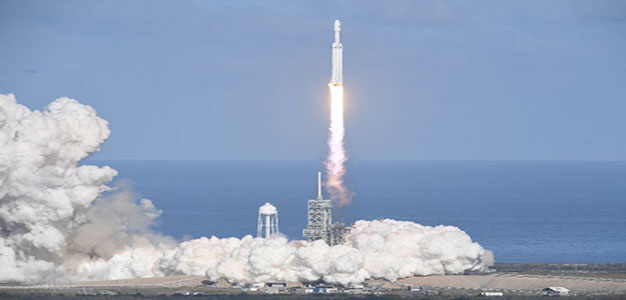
336	77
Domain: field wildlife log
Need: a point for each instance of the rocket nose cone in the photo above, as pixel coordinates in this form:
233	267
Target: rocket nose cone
337	25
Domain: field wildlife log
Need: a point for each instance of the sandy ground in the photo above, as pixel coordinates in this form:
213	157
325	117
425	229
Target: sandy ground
149	282
167	281
499	281
496	281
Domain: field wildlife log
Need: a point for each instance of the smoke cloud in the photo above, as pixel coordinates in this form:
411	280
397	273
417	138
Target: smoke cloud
374	249
57	216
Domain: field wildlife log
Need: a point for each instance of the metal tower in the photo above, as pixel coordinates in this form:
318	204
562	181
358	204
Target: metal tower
267	223
319	216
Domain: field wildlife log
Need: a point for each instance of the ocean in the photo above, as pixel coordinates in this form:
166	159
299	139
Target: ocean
526	212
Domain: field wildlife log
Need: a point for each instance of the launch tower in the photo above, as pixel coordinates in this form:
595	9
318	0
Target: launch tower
319	215
320	224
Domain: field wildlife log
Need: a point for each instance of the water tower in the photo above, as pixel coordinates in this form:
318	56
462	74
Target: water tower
267	224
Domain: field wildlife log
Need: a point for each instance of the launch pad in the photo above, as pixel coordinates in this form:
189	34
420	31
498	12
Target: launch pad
320	224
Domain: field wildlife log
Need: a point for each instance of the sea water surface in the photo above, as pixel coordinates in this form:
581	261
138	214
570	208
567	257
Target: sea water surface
565	212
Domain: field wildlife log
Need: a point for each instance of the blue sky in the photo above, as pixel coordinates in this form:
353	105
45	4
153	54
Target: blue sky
425	80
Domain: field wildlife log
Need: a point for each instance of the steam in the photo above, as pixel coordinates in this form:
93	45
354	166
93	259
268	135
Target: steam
60	217
44	194
335	168
375	249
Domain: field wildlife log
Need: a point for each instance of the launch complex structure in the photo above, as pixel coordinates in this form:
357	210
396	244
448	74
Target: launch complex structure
320	224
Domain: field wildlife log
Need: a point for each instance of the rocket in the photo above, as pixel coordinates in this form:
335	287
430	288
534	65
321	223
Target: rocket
336	77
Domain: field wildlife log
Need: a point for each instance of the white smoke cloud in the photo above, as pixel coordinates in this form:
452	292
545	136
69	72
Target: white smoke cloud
56	217
374	249
42	189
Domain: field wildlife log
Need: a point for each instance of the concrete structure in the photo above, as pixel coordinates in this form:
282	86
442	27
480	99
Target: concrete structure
325	289
256	287
556	291
320	224
414	288
276	284
267	223
275	287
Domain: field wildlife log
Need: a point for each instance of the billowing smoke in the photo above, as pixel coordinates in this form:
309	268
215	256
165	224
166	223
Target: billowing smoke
52	212
44	194
374	249
57	216
335	168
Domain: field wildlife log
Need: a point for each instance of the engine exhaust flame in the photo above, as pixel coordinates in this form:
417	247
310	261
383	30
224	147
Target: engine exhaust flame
335	168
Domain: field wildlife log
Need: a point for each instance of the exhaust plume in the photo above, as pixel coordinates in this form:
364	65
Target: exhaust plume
335	168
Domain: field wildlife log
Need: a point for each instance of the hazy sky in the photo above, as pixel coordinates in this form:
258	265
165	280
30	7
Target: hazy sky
485	80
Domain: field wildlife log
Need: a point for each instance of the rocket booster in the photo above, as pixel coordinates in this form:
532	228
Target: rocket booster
336	77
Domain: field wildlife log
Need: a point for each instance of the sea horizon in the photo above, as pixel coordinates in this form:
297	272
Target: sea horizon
524	211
